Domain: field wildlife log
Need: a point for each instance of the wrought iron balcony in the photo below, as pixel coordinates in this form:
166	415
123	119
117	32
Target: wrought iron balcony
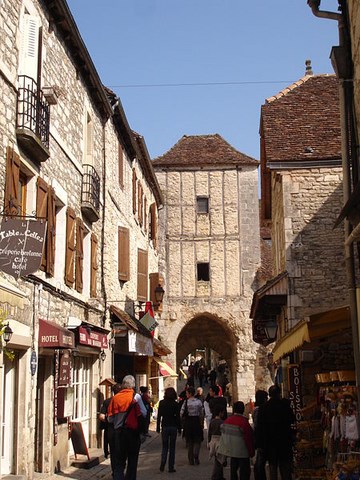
33	119
90	193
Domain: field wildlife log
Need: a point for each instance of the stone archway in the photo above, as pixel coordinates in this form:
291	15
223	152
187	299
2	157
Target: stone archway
206	330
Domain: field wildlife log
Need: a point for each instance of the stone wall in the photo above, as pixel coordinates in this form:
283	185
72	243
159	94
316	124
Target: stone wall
311	200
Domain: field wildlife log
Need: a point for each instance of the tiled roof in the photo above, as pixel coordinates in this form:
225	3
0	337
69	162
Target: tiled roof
202	150
302	122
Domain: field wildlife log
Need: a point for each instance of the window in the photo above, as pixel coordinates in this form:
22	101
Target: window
81	386
123	254
89	140
46	209
140	204
22	193
202	204
30	47
203	272
121	166
12	183
79	259
134	190
142	285
153	224
70	248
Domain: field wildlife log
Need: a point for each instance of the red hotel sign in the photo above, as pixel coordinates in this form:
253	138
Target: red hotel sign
89	337
53	335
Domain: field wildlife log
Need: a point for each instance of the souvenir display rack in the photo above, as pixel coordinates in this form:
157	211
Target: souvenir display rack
327	438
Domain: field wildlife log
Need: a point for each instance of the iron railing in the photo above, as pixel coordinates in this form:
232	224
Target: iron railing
33	111
90	190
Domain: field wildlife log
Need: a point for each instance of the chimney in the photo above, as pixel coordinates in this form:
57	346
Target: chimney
308	70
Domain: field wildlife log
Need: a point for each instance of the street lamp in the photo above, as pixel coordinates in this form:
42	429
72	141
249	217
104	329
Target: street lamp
102	355
7	333
270	328
159	294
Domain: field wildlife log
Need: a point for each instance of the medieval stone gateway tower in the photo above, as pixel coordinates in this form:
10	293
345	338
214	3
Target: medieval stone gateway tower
210	252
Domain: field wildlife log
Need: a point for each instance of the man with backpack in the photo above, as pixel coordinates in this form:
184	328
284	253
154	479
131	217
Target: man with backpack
126	413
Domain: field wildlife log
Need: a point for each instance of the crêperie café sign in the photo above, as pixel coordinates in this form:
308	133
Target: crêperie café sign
21	246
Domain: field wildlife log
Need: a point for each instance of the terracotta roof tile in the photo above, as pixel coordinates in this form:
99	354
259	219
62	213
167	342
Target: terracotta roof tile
302	122
204	150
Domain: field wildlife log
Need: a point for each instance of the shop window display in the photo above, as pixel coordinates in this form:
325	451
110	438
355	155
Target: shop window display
328	444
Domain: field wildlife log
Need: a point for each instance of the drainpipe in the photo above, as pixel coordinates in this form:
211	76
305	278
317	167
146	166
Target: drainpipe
343	68
103	282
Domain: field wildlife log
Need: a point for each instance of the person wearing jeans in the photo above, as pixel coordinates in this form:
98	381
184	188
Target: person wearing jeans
169	419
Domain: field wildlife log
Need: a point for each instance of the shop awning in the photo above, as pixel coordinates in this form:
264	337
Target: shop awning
166	369
54	336
315	327
292	340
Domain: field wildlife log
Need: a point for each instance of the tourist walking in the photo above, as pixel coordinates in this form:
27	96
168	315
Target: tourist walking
261	397
275	435
193	419
214	435
216	399
124	414
169	419
144	393
237	442
104	424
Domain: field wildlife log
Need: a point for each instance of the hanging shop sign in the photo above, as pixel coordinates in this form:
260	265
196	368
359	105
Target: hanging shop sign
140	344
64	373
295	395
92	338
21	246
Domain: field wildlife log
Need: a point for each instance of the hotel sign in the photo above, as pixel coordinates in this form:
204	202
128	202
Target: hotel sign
21	246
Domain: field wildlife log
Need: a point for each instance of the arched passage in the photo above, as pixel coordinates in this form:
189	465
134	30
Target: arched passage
207	330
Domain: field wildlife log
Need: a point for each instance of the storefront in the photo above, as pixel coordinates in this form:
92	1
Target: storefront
53	367
132	347
318	376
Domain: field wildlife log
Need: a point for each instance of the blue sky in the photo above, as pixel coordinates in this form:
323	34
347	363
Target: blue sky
260	45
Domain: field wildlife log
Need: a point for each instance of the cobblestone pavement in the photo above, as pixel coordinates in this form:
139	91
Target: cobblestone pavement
148	467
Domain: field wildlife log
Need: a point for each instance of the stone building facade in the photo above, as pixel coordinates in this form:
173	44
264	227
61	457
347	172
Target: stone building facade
69	157
302	194
209	252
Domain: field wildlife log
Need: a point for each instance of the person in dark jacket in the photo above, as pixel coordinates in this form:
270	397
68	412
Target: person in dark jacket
169	419
275	435
261	397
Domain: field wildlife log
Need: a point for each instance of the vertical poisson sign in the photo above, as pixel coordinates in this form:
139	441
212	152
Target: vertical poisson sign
295	394
56	387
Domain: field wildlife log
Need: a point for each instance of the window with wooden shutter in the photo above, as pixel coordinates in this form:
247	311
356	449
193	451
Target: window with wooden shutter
94	265
123	254
142	277
140	205
42	212
70	247
79	259
145	214
153	233
121	165
50	232
12	194
134	191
